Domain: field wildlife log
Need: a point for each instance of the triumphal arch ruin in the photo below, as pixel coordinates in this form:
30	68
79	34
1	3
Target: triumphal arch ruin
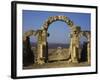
76	32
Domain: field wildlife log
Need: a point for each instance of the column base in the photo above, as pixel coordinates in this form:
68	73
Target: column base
40	60
75	60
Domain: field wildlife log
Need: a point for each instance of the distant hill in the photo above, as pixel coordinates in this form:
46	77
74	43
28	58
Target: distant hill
52	45
55	45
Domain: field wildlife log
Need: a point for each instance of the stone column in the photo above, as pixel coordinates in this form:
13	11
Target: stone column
70	48
88	52
75	44
45	45
73	50
89	49
40	58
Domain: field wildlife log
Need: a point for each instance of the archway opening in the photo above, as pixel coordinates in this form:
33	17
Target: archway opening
83	50
29	50
58	41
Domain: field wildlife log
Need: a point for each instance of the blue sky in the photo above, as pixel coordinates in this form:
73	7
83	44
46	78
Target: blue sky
59	31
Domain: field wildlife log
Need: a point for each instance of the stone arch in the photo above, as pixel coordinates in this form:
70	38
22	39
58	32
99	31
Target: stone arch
28	54
57	18
27	59
45	27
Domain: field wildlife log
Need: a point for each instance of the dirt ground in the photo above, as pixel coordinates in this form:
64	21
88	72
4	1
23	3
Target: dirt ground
57	64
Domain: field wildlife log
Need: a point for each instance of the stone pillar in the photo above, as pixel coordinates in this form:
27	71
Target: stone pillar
40	58
45	45
75	44
89	49
73	50
88	52
70	48
42	55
